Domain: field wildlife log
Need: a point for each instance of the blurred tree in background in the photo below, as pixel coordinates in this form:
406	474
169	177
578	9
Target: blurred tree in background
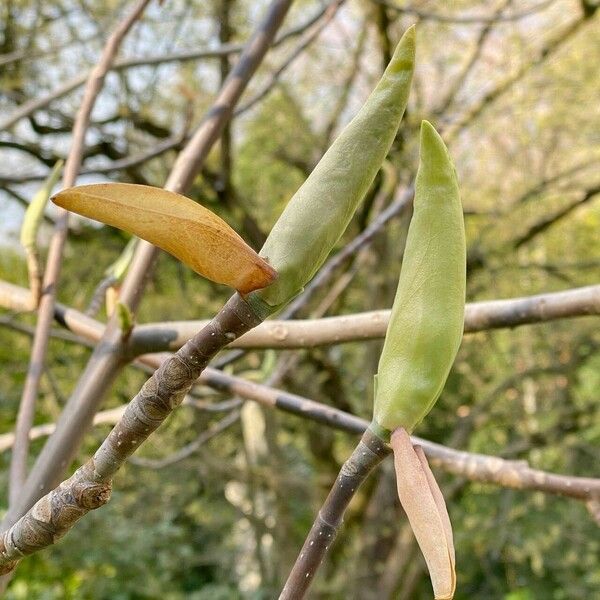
514	88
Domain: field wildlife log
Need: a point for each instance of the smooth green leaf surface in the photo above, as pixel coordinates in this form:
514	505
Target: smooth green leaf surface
35	210
426	324
321	209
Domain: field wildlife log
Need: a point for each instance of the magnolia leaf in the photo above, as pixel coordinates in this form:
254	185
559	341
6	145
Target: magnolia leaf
425	508
427	320
178	225
35	210
319	212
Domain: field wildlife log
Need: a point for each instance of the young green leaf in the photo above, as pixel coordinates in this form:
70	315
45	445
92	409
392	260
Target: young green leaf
35	210
178	225
118	268
125	318
426	324
321	209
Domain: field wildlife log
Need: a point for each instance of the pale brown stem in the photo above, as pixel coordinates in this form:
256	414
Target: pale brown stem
107	358
312	333
18	465
474	467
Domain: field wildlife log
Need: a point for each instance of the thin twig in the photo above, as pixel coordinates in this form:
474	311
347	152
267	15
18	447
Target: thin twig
300	48
367	455
107	359
111	416
188	449
122	164
18	465
459	80
474	111
90	486
129	63
432	16
474	467
99	294
549	220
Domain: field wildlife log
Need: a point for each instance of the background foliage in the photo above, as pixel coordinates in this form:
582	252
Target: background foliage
227	521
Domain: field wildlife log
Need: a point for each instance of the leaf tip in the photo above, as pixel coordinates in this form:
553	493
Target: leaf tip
262	277
60	198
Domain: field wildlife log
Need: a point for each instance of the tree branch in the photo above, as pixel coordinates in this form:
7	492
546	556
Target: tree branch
107	358
36	104
300	48
432	16
18	465
476	110
311	333
472	61
475	467
90	486
191	448
549	220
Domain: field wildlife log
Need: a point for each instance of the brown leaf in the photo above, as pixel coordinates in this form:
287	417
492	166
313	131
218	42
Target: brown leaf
423	512
441	505
178	225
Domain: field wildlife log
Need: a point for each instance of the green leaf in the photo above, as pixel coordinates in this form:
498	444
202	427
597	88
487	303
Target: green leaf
426	323
321	209
35	210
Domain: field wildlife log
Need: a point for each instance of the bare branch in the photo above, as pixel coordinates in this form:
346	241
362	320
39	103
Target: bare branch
107	359
191	448
472	61
310	333
300	48
36	104
476	110
18	465
432	16
549	220
474	467
533	191
105	417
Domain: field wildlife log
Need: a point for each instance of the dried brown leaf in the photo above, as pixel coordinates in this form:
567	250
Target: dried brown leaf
422	510
438	497
178	225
